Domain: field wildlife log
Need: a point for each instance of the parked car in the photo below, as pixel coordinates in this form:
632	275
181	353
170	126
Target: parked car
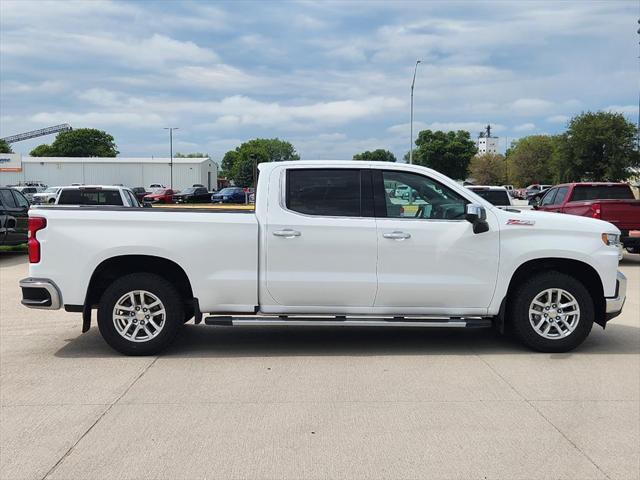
322	250
14	209
613	202
47	196
156	186
97	195
140	193
28	192
498	196
193	195
160	195
534	189
229	195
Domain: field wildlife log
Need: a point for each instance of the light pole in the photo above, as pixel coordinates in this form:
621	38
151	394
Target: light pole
413	83
171	129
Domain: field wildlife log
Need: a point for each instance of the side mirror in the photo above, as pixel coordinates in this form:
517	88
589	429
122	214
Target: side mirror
477	216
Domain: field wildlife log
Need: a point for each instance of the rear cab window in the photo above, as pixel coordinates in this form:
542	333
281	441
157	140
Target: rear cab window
89	197
583	193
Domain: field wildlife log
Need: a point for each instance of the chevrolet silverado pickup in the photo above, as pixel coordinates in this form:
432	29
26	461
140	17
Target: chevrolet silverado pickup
328	244
612	202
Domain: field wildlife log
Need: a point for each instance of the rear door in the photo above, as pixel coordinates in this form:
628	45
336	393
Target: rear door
321	244
15	208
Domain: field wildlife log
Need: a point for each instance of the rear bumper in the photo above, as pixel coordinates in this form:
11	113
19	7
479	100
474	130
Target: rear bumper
629	241
40	293
614	304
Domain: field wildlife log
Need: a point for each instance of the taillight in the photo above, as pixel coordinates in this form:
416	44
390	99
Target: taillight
35	224
595	210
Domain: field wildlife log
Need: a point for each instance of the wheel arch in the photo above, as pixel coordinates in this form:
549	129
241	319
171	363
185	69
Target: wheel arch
581	271
115	267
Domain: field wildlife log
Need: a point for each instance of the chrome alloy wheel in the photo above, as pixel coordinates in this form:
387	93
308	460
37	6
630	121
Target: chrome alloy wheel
139	316
554	313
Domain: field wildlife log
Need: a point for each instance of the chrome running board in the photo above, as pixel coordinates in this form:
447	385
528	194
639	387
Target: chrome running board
298	321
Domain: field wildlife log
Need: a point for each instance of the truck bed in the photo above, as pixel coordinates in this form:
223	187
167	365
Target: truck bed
218	250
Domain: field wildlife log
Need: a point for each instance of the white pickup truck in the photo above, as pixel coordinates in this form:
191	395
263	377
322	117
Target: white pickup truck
331	244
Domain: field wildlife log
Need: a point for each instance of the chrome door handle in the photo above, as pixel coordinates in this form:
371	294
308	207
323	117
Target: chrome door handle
397	235
287	233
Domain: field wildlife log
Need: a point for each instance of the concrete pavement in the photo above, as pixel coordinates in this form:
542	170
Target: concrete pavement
314	403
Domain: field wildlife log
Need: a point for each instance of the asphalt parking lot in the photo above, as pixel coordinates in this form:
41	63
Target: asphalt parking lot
314	403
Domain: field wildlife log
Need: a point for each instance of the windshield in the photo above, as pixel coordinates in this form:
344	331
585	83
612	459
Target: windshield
189	190
228	191
51	190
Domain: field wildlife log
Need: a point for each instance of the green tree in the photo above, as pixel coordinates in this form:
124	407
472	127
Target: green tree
378	155
5	147
238	164
42	150
488	169
83	142
597	146
447	152
191	155
529	160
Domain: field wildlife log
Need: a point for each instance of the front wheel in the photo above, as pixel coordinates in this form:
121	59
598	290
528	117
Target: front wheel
552	312
140	314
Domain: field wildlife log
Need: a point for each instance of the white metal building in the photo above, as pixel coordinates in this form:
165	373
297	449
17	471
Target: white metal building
487	143
128	171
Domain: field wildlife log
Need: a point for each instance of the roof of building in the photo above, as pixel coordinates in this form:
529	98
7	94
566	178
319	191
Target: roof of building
162	160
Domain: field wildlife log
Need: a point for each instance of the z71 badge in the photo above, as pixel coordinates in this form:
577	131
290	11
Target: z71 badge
515	221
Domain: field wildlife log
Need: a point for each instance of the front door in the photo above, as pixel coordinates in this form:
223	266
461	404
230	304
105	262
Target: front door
429	259
321	243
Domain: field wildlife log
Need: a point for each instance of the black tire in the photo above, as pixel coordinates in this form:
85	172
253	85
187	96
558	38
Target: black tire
524	295
155	285
52	200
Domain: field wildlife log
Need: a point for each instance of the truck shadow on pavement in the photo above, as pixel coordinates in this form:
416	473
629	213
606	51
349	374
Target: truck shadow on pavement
198	341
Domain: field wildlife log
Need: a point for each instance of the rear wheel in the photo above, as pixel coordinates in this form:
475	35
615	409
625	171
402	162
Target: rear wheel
140	314
552	312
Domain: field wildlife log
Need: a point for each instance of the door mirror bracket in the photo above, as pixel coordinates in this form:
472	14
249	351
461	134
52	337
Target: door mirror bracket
477	216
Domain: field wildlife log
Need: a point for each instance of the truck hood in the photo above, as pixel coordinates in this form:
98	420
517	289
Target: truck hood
516	218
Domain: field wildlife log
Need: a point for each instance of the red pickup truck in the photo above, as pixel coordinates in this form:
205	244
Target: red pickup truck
612	202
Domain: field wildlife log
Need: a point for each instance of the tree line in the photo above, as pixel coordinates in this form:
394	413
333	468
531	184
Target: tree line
596	146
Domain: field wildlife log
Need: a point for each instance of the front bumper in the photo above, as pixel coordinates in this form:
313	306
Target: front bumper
614	304
40	293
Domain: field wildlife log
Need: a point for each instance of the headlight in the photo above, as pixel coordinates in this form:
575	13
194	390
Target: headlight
611	239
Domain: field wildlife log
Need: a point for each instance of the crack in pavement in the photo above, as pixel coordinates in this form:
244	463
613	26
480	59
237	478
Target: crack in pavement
100	417
528	402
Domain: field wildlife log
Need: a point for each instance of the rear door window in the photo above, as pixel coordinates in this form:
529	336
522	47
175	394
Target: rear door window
8	199
327	192
560	196
21	201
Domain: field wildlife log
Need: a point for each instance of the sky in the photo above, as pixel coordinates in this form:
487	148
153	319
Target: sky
333	78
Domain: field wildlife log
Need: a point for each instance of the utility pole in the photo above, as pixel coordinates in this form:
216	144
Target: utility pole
413	82
171	129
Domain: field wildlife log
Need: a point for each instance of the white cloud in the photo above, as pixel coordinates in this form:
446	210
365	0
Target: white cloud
558	119
530	106
525	127
624	109
101	119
